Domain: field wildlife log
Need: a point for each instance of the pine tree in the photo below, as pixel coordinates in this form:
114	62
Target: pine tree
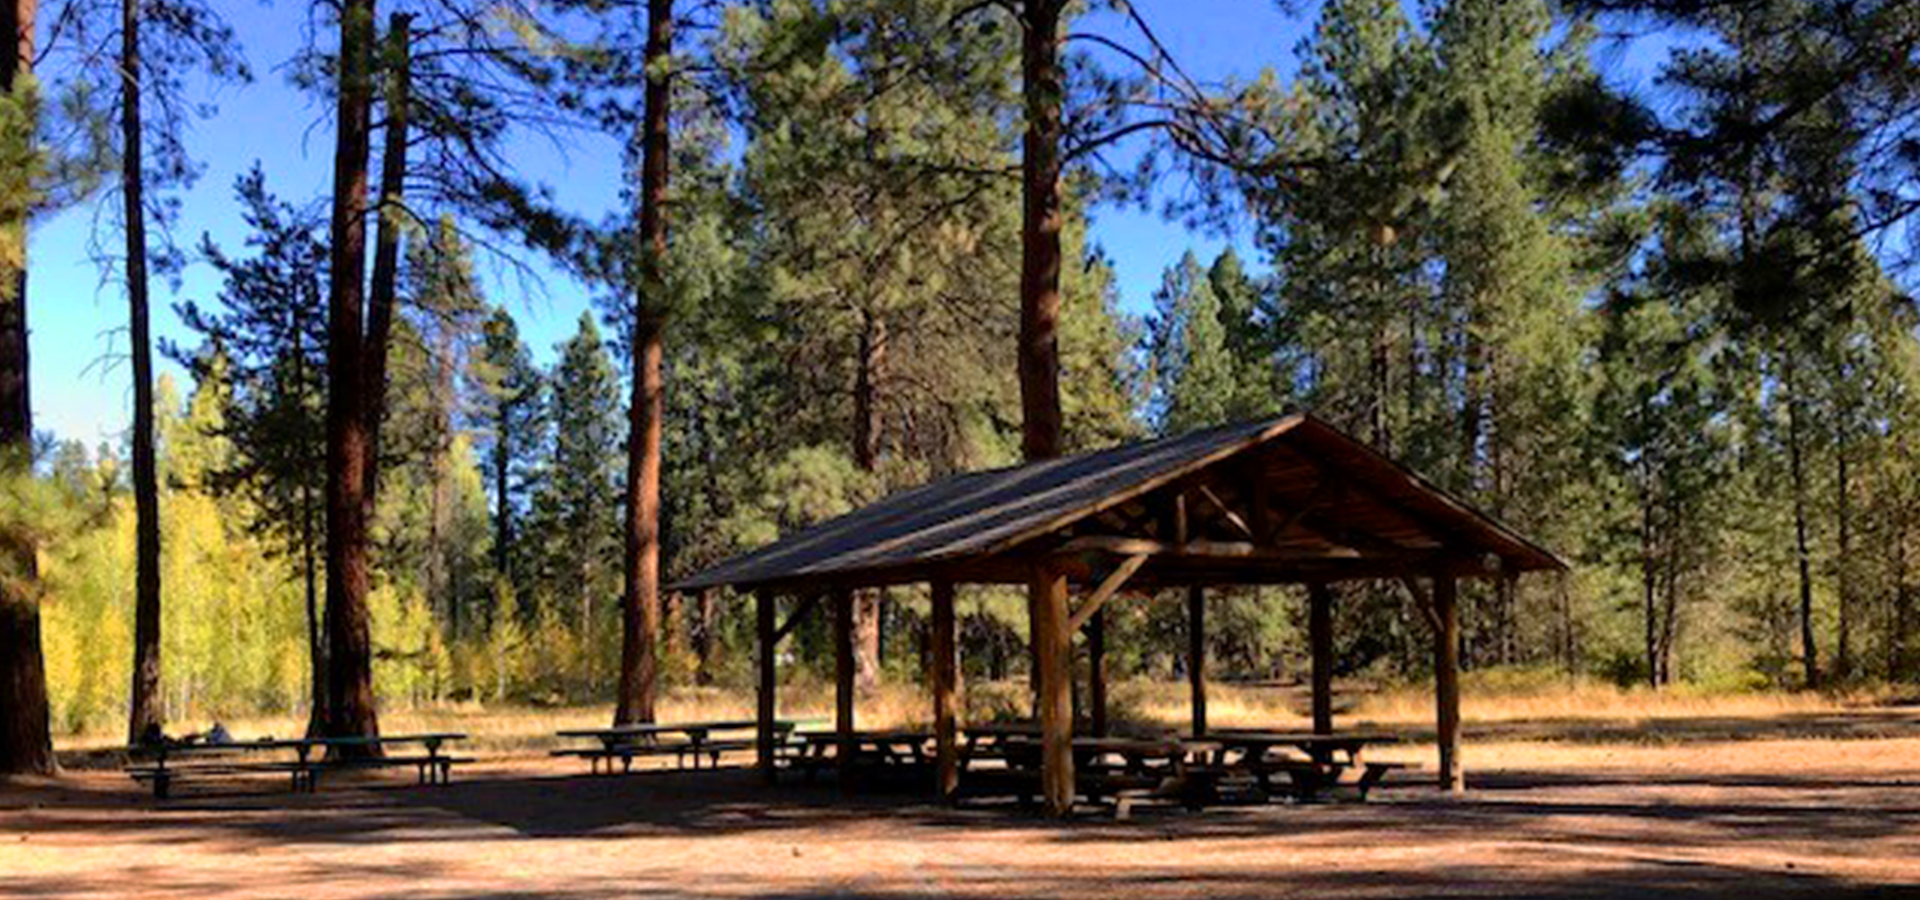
438	328
350	709
26	745
1249	338
267	341
1195	372
507	411
579	491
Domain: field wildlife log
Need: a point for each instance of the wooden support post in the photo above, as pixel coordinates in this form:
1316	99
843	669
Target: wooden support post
1097	672
764	616
1446	682
843	672
945	681
1197	655
1320	646
1053	646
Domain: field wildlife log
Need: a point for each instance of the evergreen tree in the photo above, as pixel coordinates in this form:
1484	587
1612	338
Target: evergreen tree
439	326
266	342
506	410
577	503
1197	386
26	745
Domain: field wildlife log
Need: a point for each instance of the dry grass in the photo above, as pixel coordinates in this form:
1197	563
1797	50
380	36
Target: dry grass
1142	706
1483	701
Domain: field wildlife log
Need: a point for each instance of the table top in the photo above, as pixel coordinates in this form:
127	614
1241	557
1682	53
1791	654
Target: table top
648	728
873	737
1003	729
1140	746
300	743
1301	738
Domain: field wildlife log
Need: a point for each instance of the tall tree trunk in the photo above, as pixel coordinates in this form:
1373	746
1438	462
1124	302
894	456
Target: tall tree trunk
640	599
1843	564
350	700
1899	648
1649	577
703	636
1670	613
503	508
316	642
381	298
1472	407
1040	253
440	592
145	708
310	511
1044	91
1803	555
26	743
868	430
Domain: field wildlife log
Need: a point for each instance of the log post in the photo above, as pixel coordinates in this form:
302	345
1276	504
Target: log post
945	681
1053	646
1320	645
843	673
1197	656
1097	672
1446	682
764	625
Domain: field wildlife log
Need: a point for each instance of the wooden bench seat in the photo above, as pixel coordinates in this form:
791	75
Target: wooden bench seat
431	770
1310	780
627	753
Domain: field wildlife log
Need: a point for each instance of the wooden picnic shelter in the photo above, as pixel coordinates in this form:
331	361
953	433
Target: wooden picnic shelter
1290	500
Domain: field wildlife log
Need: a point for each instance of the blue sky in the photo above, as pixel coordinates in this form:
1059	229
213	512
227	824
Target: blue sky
80	384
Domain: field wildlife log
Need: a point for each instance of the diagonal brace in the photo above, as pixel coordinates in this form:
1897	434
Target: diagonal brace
1108	587
798	615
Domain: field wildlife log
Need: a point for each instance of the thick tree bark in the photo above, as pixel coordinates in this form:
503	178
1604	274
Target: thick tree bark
350	700
26	744
145	709
1040	255
1044	90
382	295
640	606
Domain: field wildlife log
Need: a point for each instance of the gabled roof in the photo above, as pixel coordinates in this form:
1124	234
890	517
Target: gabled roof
1375	509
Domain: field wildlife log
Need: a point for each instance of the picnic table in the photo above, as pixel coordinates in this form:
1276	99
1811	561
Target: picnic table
816	750
990	740
167	761
1125	769
1328	758
685	740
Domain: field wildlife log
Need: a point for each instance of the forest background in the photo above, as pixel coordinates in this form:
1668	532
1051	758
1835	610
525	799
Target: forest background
1460	270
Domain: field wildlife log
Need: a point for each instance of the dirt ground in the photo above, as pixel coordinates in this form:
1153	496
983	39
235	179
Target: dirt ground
1814	807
